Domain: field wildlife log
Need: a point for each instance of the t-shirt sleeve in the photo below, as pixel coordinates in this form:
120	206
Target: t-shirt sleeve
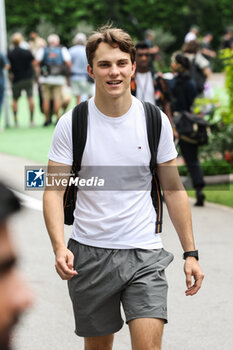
201	61
40	54
166	148
61	150
66	54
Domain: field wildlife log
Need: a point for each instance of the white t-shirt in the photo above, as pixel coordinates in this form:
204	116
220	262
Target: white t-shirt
145	87
121	218
189	37
52	79
200	60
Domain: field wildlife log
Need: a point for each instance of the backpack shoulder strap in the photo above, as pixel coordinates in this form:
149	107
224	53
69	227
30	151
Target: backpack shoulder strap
154	125
79	133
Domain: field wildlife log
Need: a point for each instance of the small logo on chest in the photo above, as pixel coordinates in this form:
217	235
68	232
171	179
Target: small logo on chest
139	147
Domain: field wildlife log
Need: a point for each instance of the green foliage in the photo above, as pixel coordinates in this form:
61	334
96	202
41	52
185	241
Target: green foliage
163	39
220	140
211	166
221	136
216	166
227	57
173	16
220	193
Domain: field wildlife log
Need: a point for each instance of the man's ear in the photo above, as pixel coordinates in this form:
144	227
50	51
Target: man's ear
90	71
133	68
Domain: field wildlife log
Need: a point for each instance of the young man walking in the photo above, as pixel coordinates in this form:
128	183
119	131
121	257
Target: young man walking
114	256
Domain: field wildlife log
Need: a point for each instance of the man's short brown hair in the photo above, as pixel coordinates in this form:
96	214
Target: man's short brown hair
114	37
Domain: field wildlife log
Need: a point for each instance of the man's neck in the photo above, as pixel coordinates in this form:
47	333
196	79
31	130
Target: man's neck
113	107
142	70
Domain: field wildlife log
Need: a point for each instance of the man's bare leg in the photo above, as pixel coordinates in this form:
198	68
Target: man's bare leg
56	107
146	333
15	110
99	343
46	109
31	108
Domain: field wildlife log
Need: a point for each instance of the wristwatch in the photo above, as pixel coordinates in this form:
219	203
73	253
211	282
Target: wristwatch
193	253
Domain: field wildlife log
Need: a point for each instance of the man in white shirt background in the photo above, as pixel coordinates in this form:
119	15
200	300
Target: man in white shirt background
192	34
143	85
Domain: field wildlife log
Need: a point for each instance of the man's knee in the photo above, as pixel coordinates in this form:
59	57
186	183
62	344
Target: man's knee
98	347
99	343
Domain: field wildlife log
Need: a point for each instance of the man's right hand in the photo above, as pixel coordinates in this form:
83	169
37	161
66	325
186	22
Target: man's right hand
64	264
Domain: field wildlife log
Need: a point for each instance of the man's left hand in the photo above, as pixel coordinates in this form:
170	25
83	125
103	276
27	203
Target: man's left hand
192	268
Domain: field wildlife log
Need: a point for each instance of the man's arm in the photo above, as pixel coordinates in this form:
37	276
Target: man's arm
54	220
179	211
208	52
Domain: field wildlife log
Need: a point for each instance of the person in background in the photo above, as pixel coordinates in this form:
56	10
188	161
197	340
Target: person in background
192	34
153	49
4	64
199	66
227	40
80	84
36	42
52	65
206	48
145	85
184	91
22	75
15	295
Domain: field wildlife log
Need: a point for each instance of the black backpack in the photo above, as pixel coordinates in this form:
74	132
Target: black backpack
79	136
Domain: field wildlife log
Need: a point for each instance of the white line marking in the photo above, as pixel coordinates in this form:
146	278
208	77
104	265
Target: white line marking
29	202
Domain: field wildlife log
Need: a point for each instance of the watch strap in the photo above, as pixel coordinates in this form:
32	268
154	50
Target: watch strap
193	253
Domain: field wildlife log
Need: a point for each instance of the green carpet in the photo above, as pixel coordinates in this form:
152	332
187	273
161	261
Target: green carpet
34	143
30	143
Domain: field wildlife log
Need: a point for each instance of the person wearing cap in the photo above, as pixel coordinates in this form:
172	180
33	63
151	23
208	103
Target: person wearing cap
15	295
79	80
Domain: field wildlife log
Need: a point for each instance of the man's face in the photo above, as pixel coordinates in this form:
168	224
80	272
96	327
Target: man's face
112	70
33	36
15	296
142	59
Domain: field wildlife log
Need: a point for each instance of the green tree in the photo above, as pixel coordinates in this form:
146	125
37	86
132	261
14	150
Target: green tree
174	16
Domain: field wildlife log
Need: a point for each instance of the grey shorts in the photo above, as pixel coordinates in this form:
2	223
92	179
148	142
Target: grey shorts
109	278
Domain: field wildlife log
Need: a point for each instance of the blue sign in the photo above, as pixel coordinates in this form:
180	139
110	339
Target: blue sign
35	178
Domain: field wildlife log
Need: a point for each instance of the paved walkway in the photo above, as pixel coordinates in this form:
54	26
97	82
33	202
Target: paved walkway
202	322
